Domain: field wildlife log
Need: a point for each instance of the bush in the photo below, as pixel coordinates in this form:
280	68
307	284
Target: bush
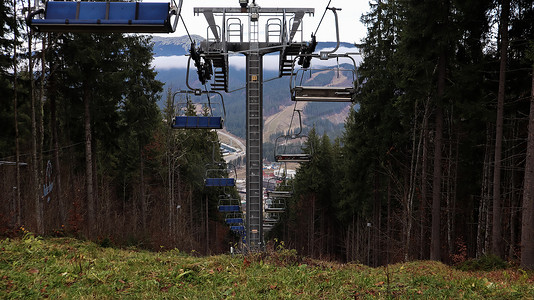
487	262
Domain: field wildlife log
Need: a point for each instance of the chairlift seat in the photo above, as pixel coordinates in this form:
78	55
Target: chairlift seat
279	194
274	210
197	122
322	94
237	228
83	16
298	157
220	182
229	208
234	221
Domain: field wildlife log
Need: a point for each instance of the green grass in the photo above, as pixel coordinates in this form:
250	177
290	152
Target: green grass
33	268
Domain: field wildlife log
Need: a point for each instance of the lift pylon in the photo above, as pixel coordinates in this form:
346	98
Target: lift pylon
280	36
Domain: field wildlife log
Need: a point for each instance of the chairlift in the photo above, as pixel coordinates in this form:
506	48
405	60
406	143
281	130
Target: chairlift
338	93
276	205
234	218
183	121
268	227
214	177
288	148
106	16
279	194
283	191
270	221
229	205
345	93
238	228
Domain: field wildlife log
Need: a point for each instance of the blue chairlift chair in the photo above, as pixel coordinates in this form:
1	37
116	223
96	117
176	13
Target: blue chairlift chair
182	121
238	228
234	218
229	205
217	177
106	16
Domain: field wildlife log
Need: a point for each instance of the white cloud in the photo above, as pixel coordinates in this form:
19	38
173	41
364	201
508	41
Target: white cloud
171	62
270	62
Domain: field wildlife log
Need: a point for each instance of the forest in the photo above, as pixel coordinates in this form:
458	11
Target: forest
437	161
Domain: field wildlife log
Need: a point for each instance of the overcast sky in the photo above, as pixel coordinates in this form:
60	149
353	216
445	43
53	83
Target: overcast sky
350	27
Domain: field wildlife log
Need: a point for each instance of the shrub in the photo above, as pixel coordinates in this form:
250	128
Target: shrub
487	262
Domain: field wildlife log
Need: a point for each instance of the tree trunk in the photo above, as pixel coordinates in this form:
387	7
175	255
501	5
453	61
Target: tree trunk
170	186
424	167
15	108
436	181
496	234
88	159
527	234
142	197
55	143
35	163
484	197
41	121
207	228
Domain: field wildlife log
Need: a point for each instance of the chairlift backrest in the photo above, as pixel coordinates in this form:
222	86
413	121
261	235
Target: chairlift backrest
107	16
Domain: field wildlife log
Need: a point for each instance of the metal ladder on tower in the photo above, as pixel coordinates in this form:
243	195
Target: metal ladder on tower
254	214
220	71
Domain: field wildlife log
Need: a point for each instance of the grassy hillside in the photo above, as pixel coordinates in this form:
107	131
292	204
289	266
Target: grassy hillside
32	267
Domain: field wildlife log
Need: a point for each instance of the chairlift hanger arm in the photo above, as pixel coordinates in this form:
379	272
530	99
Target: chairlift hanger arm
326	53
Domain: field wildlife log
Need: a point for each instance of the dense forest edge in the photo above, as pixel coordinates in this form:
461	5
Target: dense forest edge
436	163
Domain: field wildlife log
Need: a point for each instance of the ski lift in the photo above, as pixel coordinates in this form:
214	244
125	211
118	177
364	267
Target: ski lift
268	227
344	93
339	93
234	218
271	184
214	177
279	194
288	148
106	16
276	205
283	191
197	122
229	205
238	228
270	221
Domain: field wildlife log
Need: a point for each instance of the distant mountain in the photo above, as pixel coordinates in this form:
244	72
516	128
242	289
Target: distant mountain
169	46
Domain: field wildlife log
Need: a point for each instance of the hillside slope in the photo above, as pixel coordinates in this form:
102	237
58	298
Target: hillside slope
67	268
